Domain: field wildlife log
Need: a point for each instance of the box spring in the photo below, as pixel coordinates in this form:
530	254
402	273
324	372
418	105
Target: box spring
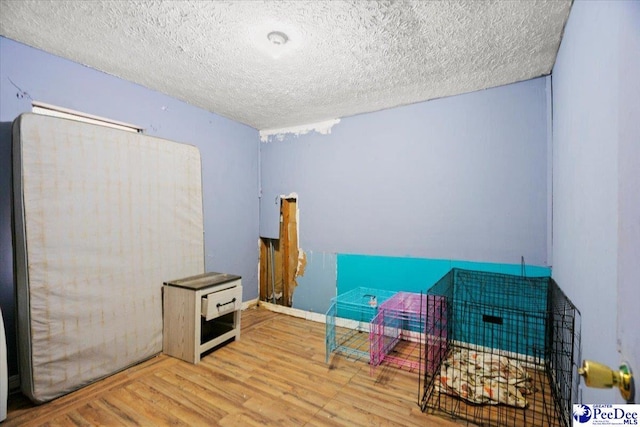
102	217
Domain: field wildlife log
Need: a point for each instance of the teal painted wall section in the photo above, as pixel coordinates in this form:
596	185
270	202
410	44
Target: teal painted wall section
328	274
412	274
472	293
485	310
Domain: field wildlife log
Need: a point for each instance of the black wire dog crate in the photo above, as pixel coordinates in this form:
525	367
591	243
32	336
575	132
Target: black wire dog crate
501	350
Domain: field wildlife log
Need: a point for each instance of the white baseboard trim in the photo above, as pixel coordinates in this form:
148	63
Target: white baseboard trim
249	304
295	312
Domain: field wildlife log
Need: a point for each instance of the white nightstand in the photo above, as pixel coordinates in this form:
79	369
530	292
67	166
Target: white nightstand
200	312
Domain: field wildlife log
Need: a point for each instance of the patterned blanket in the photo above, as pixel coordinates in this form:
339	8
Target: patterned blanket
485	378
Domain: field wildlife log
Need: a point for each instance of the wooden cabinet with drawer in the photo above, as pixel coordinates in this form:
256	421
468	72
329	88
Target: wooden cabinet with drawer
200	312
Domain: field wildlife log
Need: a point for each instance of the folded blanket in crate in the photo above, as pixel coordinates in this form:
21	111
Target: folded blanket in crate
485	378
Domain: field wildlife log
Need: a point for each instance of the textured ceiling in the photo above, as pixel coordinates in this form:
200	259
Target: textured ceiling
342	57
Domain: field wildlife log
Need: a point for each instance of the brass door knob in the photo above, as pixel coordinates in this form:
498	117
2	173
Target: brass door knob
598	375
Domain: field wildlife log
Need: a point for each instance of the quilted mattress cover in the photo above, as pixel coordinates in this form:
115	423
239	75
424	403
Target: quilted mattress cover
102	217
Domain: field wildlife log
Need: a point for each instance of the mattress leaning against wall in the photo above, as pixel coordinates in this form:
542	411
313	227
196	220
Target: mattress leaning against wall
102	218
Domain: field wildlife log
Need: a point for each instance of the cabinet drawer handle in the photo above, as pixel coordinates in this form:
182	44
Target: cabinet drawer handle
218	305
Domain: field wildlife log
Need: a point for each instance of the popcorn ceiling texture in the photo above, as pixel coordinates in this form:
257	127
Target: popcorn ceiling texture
342	58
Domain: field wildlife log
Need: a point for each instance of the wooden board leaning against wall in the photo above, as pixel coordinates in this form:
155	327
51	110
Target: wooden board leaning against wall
282	260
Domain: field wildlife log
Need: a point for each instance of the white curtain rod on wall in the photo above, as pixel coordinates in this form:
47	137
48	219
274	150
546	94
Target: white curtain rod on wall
66	113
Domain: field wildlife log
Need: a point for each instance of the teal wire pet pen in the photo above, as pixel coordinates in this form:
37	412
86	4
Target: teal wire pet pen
348	322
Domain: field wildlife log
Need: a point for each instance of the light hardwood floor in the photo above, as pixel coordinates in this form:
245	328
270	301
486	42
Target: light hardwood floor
275	375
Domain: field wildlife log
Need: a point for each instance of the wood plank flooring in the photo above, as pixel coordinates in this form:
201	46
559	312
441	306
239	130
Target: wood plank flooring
275	375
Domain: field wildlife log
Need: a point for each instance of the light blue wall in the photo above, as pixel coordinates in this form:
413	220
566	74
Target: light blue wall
461	178
318	285
596	162
229	152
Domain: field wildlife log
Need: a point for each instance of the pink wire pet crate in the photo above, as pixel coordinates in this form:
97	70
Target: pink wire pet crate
397	334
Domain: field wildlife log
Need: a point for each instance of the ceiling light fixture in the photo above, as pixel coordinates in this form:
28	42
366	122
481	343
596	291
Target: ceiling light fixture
277	37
